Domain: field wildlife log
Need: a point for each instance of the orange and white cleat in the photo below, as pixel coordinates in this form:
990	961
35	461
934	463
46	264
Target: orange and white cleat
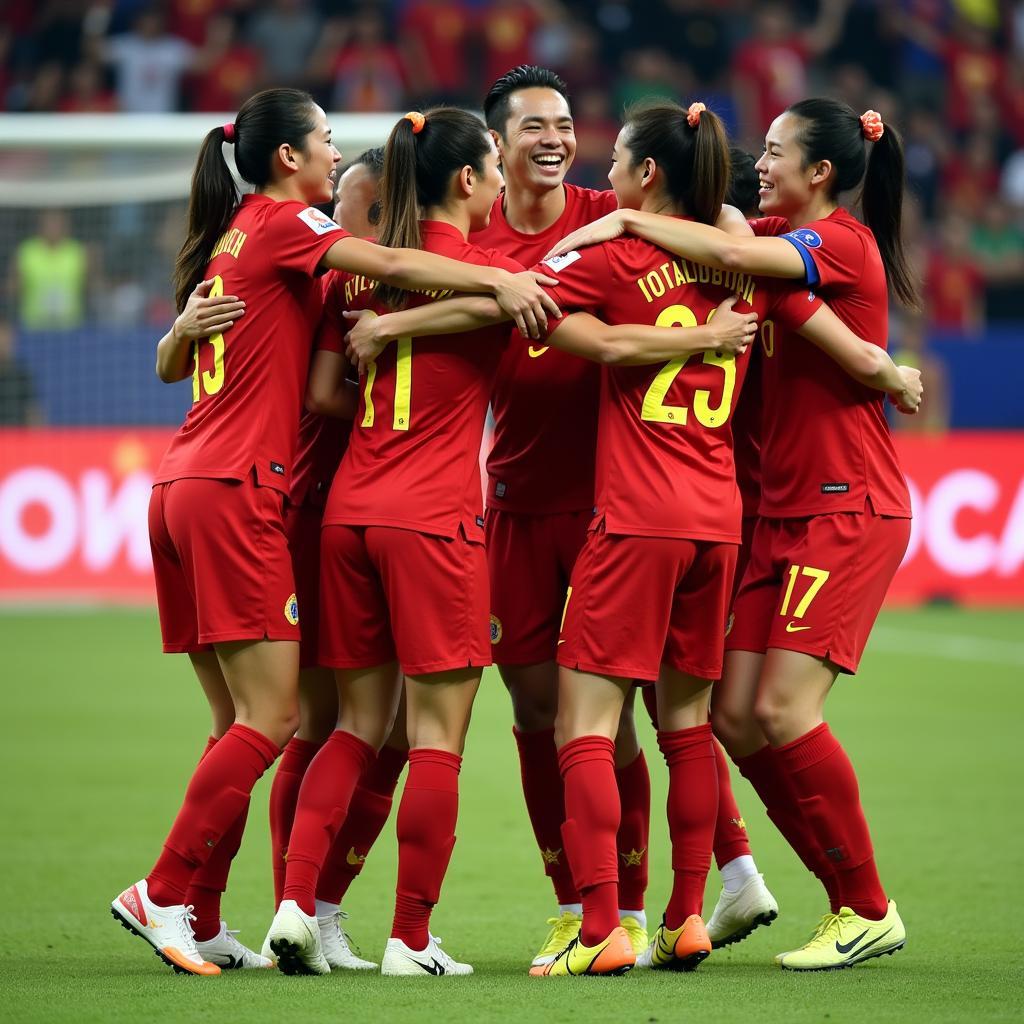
167	929
609	958
677	949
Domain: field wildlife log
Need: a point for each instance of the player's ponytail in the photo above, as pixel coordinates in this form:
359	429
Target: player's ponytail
269	119
832	131
689	146
422	153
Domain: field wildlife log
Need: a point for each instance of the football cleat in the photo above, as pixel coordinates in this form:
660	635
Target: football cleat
611	957
637	933
294	940
228	953
677	949
167	929
564	929
846	939
737	914
399	961
337	946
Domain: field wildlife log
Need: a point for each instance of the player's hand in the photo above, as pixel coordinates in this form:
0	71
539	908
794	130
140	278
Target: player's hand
908	400
366	339
611	225
733	331
525	301
204	315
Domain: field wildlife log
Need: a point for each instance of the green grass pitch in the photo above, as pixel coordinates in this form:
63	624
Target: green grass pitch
101	732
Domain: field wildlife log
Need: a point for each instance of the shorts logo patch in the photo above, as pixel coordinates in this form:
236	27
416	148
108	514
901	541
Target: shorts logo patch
291	610
317	221
730	623
835	488
495	629
276	467
500	489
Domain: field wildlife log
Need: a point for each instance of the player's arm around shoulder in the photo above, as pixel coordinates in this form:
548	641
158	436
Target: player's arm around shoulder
204	316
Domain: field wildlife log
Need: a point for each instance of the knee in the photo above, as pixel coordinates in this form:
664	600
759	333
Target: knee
773	717
532	710
731	728
283	725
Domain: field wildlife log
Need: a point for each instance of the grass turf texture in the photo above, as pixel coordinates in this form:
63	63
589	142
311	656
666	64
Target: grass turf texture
102	732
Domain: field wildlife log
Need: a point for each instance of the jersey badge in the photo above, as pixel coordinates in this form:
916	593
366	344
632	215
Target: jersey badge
291	610
806	237
557	263
495	629
317	221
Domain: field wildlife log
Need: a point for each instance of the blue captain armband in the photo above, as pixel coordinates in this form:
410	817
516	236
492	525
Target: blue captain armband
804	240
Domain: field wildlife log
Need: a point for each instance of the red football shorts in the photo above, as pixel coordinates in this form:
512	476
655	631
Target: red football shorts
530	558
816	584
388	594
302	527
221	562
639	602
742	556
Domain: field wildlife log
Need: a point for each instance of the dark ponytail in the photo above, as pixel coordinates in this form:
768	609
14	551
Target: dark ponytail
832	131
418	168
267	120
694	157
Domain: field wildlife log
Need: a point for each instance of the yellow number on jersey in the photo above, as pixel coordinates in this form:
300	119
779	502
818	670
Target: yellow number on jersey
210	382
403	387
655	410
818	577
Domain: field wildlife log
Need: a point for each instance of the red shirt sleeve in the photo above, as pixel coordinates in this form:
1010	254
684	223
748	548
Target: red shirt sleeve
584	277
299	236
769	227
791	305
832	253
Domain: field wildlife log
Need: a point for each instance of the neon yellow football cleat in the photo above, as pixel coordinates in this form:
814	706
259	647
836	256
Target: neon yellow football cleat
563	930
845	939
637	933
677	949
608	958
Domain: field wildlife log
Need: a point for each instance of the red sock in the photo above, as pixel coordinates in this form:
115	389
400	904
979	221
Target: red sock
730	829
209	881
692	809
592	821
426	834
766	773
545	804
217	793
367	816
826	787
284	795
324	797
634	785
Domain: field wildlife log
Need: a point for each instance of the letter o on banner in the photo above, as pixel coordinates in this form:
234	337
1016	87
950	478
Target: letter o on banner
45	551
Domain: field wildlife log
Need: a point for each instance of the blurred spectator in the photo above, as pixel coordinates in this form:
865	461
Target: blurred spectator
698	31
86	92
910	348
770	68
190	19
285	34
149	64
226	69
434	39
971	175
997	244
51	271
596	130
954	285
506	29
925	150
18	407
650	73
367	73
46	88
581	64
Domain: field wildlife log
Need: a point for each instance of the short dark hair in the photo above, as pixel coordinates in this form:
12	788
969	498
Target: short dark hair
526	76
373	159
744	192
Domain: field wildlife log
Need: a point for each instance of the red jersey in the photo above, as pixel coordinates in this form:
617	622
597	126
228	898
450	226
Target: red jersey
746	422
544	401
248	385
826	445
664	452
413	459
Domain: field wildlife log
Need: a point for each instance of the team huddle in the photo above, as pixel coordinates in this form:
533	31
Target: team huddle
692	492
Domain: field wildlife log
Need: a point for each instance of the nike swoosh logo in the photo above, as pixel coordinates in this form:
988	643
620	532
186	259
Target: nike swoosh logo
867	945
844	948
233	963
432	968
790	628
534	351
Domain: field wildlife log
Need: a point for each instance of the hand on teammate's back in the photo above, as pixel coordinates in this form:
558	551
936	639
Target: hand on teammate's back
734	331
523	298
604	229
363	342
205	315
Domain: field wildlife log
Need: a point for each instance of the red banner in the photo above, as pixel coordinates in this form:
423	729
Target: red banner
73	516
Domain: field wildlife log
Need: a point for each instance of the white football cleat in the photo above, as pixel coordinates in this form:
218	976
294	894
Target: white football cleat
228	953
401	961
737	914
294	940
167	929
337	945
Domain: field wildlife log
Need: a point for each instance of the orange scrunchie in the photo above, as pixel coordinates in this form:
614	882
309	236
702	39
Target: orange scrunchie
418	121
871	125
693	114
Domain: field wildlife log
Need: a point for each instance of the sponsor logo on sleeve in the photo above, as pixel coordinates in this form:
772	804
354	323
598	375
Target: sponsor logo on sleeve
806	237
317	221
557	263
